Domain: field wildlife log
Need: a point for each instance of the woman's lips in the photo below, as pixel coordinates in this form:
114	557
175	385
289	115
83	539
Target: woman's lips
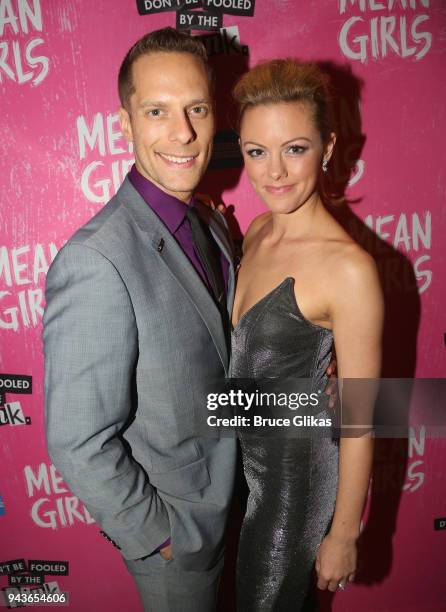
278	190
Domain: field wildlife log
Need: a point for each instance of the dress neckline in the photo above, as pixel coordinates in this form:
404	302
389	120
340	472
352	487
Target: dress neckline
287	281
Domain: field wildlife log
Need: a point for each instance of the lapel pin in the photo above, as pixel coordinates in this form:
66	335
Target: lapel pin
160	246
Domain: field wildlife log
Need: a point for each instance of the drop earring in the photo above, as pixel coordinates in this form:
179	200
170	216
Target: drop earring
325	166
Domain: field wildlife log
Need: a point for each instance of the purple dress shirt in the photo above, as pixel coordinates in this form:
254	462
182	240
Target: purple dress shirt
172	213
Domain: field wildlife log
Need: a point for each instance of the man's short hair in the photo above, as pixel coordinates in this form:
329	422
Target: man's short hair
166	40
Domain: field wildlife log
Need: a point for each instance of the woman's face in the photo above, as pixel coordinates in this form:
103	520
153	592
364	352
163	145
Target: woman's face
283	151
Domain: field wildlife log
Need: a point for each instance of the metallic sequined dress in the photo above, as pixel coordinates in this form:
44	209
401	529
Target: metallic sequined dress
292	481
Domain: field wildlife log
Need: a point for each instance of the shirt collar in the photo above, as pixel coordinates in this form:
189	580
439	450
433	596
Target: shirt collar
169	209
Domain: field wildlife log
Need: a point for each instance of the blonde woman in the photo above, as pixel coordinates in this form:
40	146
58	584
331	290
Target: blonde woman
303	287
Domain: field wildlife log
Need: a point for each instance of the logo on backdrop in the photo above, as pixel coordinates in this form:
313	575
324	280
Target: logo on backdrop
211	18
244	8
21	60
26	578
21	267
409	233
2	507
55	506
203	20
382	29
99	138
11	413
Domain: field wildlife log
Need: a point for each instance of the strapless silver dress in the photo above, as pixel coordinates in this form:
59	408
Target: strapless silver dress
292	482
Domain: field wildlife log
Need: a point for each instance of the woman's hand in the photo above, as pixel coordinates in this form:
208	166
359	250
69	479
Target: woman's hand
336	562
206	199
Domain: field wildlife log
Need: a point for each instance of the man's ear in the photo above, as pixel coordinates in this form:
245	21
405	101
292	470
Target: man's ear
126	124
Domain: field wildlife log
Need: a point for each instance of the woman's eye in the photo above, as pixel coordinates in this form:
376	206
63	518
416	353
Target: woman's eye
154	112
296	149
254	152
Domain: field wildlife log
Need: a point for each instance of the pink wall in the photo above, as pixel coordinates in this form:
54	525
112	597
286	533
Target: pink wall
58	69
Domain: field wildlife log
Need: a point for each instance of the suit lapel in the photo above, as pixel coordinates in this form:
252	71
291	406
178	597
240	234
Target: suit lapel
186	275
178	264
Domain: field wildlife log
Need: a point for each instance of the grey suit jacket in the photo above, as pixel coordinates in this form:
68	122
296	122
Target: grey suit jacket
131	338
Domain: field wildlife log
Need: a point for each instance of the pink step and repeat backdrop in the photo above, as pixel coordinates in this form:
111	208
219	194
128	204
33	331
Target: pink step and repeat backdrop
63	157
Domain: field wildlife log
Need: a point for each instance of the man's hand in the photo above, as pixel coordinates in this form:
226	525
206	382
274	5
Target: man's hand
166	552
206	199
332	385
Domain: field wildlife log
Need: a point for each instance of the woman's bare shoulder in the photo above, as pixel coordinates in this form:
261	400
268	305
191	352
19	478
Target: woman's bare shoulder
353	268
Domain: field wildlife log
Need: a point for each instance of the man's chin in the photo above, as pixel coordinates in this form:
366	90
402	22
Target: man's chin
189	183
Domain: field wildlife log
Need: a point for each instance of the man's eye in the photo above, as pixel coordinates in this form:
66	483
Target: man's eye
154	112
254	152
199	110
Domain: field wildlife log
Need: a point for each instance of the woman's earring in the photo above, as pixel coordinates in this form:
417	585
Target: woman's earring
325	166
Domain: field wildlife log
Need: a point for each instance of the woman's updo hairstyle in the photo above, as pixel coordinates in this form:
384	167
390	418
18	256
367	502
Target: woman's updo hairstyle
287	80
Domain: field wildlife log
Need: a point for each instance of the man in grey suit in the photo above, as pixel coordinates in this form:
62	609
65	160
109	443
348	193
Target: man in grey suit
136	324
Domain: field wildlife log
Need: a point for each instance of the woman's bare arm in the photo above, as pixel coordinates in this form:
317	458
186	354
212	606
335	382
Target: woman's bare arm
357	315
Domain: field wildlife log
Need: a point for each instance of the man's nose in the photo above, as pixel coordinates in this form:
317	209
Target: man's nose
181	129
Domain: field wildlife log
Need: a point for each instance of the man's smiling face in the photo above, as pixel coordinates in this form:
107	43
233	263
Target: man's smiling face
170	120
